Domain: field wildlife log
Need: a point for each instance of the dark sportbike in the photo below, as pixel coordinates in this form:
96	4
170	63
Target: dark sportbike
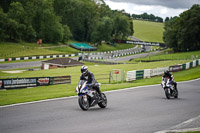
169	88
88	97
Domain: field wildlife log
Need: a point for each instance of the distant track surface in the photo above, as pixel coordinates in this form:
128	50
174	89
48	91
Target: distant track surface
8	66
20	65
134	110
131	57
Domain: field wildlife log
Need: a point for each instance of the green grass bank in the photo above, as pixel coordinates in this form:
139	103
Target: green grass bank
148	31
32	49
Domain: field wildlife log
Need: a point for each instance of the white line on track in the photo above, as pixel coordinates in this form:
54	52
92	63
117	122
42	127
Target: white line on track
40	101
181	125
54	99
185	123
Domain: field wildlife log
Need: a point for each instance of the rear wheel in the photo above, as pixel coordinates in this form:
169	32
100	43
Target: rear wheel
103	103
167	93
83	102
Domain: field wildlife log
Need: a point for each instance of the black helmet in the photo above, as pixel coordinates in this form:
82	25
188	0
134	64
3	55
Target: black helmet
84	70
166	72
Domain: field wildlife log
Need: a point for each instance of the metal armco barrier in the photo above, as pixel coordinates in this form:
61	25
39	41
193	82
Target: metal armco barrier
139	42
37	57
14	83
102	62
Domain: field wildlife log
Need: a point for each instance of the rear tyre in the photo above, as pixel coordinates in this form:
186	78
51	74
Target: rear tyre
167	93
103	103
83	102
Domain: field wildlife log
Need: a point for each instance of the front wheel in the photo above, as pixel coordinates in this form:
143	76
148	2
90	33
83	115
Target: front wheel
83	102
176	93
103	103
167	93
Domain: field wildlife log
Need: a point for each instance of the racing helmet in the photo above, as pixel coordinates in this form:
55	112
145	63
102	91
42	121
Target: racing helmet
84	70
166	72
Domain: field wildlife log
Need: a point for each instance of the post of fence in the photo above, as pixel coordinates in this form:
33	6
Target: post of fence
109	77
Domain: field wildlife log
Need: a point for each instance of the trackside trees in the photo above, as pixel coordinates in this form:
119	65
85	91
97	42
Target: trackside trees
182	33
45	22
3	25
122	27
103	30
60	20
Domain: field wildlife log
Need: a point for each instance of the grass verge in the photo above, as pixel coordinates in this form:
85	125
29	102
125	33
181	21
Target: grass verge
30	49
171	56
104	47
55	91
23	49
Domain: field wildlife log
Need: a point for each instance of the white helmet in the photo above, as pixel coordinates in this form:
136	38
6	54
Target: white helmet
84	69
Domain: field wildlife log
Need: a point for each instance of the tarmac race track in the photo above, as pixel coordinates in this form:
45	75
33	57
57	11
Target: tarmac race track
134	110
20	65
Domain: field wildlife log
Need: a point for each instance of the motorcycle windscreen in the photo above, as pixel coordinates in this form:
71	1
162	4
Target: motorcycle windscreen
81	83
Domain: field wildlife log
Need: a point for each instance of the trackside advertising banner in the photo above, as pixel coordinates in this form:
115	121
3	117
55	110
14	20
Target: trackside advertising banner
140	43
43	81
32	82
22	82
175	68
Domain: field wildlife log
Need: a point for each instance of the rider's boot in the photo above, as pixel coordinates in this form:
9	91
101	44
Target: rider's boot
99	93
100	97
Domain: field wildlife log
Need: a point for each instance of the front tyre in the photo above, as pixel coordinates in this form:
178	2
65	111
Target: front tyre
167	93
176	94
103	103
83	102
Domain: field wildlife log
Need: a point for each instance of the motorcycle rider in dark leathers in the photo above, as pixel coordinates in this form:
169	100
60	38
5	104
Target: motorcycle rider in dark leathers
170	76
89	77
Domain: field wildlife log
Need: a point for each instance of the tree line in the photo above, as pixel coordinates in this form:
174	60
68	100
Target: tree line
148	17
183	33
60	20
